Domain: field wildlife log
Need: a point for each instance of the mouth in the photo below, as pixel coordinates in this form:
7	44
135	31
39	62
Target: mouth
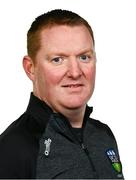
72	85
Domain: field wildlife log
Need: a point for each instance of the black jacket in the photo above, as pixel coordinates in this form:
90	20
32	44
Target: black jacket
42	144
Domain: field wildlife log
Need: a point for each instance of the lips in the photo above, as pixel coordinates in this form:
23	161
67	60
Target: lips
72	85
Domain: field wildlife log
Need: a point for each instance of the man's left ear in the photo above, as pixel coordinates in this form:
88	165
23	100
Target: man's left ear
28	66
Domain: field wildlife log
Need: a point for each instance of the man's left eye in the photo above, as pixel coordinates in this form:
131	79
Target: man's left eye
84	58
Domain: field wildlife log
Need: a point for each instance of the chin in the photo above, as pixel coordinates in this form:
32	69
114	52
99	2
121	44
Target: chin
75	105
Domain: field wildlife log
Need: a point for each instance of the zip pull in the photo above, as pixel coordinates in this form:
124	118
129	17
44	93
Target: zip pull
83	146
47	144
85	149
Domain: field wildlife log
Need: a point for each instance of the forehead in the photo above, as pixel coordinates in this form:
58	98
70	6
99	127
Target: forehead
66	38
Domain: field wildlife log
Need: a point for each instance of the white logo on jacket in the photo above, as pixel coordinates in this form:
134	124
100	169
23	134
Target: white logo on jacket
47	144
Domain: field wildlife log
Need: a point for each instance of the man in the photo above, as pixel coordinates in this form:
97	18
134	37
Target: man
55	138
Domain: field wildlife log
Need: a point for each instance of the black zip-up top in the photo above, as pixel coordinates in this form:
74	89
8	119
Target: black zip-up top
42	144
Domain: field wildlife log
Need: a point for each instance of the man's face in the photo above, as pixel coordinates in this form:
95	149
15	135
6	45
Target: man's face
64	72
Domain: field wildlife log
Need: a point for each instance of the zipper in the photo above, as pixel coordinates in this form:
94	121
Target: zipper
74	136
90	160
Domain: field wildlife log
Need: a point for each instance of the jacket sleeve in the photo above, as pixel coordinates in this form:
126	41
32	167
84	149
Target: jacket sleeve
17	157
8	158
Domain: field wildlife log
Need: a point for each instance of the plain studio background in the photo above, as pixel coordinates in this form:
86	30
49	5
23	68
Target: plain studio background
114	26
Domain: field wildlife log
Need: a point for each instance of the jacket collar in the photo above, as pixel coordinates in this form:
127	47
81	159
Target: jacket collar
41	112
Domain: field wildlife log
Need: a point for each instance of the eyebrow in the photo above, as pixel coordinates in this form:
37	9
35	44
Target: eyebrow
83	51
87	51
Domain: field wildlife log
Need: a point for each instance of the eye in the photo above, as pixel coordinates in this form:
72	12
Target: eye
85	58
57	60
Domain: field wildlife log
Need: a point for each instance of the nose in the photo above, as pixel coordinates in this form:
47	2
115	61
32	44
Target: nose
74	68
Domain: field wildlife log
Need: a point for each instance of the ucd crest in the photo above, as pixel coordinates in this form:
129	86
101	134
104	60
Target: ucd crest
114	160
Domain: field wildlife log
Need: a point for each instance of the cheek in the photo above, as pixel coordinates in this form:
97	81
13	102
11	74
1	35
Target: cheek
90	74
49	76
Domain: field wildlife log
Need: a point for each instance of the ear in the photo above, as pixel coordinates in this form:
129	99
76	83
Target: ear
28	66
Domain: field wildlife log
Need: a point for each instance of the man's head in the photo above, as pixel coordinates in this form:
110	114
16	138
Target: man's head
48	20
61	60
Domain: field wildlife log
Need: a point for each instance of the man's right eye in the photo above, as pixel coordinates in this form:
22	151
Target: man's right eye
57	60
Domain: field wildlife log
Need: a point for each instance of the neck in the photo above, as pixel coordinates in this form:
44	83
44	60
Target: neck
75	116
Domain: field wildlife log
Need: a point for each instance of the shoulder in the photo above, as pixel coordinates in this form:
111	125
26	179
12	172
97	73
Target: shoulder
18	148
101	127
101	134
19	135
